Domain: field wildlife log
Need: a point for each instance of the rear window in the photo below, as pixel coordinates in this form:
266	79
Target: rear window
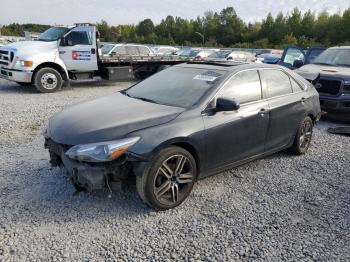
277	82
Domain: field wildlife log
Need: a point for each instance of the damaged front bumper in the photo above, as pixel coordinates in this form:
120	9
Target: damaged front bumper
90	176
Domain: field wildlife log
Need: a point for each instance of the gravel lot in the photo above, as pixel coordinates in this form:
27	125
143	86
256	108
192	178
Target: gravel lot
279	208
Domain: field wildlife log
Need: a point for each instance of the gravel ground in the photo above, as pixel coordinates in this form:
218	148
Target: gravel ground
279	208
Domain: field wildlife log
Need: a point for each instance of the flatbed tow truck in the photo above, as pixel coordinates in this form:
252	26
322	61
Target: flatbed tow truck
62	54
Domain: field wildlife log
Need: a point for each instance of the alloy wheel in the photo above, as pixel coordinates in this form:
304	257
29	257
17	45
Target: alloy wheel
305	135
173	180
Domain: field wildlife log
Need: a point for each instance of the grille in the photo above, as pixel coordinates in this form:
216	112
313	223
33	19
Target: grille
4	57
328	86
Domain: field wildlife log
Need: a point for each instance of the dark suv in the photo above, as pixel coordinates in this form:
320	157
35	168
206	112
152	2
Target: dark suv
183	124
330	70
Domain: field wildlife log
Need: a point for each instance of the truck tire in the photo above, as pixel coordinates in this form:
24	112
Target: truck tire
48	80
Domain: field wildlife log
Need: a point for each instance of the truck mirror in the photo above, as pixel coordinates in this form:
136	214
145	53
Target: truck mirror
298	63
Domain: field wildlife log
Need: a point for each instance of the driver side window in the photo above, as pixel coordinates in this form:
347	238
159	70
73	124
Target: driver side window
78	38
245	87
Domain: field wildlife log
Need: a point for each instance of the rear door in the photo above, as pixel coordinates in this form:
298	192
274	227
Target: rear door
287	107
236	135
292	54
78	50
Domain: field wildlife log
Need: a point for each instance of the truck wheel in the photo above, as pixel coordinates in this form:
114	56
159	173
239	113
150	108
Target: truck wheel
303	137
48	80
169	179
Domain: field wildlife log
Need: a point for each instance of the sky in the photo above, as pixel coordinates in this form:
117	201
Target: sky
63	12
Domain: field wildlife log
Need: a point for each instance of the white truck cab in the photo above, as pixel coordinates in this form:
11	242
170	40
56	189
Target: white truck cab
59	54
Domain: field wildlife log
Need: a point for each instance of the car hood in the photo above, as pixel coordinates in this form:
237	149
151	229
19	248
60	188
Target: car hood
23	48
308	71
107	118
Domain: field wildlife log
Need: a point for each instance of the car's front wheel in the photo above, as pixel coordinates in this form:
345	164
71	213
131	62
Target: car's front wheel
303	137
169	179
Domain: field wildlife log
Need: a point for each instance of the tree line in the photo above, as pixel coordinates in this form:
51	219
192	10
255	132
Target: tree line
226	29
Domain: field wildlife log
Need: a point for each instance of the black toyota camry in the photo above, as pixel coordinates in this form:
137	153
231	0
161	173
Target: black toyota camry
183	124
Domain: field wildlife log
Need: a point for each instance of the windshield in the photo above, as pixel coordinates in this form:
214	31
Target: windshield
53	34
220	54
176	86
334	57
106	49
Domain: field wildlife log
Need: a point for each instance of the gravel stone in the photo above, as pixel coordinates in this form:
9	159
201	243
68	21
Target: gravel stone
283	207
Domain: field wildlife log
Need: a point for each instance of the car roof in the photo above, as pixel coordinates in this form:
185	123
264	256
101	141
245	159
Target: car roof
228	65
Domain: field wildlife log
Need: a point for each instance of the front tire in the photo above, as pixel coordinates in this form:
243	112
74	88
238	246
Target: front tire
168	180
303	137
48	80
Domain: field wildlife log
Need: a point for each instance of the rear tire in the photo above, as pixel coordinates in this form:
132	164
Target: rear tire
303	137
48	80
169	178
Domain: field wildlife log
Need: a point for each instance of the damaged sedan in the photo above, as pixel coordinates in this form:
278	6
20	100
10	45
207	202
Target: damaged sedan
183	124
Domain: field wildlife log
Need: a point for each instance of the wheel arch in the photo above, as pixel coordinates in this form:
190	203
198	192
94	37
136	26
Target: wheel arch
53	65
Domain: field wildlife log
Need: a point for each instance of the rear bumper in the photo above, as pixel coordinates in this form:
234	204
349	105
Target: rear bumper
16	75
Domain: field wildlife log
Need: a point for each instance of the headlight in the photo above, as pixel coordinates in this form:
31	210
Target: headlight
25	63
101	152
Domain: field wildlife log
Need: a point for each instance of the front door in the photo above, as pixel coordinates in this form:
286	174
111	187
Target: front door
78	49
237	135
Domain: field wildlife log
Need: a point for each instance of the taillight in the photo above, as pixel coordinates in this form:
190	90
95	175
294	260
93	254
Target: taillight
197	58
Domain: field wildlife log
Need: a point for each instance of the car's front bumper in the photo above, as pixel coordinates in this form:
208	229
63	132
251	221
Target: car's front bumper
89	176
16	75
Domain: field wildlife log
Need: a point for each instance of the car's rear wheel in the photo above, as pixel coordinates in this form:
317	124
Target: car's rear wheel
48	80
169	179
303	137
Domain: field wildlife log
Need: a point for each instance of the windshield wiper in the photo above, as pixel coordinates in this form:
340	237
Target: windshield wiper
326	64
145	99
139	98
345	65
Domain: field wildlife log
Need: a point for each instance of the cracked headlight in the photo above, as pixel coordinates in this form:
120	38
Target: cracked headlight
101	152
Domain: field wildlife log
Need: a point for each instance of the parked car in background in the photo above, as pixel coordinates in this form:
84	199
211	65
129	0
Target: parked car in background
220	55
241	56
331	74
226	54
269	58
163	50
196	54
183	124
126	49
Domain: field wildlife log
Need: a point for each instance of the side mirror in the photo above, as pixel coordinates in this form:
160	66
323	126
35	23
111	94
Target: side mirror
63	41
298	63
226	104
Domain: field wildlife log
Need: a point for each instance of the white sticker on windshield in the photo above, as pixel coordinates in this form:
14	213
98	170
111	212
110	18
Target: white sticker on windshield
205	78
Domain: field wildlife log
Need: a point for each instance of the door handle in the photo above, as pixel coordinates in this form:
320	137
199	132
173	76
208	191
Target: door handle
62	52
263	112
303	99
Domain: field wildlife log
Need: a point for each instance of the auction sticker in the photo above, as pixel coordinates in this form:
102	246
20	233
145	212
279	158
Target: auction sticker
209	76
